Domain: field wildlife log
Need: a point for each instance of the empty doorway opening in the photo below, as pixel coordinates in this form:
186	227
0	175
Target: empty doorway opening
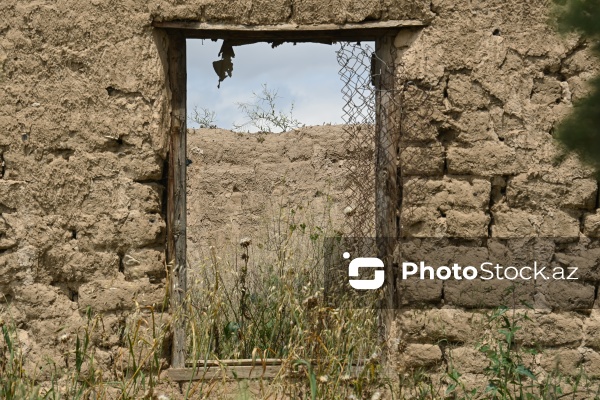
378	65
266	184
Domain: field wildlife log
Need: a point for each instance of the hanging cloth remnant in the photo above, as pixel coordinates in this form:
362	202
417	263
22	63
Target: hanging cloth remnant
224	66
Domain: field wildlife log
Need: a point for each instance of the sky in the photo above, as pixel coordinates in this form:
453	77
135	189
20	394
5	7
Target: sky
306	74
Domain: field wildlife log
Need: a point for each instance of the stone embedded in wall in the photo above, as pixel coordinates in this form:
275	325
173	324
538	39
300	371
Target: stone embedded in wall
420	110
577	62
31	350
487	294
565	295
591	363
467	359
591	329
468	194
318	12
236	10
440	251
427	202
117	294
40	301
99	232
565	361
591	225
473	382
144	167
7	239
422	160
10	194
474	126
145	197
75	266
142	229
248	12
420	355
546	91
416	292
119	231
405	38
141	263
465	93
552	330
527	191
430	326
414	9
418	221
440	219
362	10
585	259
419	129
10	274
467	225
484	159
519	223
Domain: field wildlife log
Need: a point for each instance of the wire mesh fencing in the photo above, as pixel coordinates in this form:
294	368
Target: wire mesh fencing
388	128
359	117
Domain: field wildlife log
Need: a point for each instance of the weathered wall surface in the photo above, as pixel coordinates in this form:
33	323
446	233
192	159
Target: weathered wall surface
239	184
489	82
84	112
82	117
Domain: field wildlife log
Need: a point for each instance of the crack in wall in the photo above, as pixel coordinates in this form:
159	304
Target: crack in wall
129	95
2	166
497	195
432	8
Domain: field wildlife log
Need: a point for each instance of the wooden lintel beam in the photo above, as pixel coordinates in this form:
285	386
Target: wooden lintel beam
288	32
204	26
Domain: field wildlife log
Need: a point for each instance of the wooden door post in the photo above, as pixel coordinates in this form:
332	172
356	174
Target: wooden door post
386	147
176	207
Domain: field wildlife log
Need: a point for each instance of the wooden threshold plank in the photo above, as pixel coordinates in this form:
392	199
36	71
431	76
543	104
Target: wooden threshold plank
240	362
235	371
227	373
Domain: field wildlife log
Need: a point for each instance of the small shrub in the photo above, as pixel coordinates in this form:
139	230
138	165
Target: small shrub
204	117
263	114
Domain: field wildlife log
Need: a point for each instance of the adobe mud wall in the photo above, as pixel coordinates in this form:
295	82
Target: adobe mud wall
84	115
478	161
239	184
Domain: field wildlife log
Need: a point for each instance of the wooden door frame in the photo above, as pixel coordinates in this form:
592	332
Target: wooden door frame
383	33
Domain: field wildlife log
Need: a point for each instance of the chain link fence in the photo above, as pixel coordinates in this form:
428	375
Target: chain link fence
377	96
359	118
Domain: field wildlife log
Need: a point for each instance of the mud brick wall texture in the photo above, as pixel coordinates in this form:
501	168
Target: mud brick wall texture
84	116
489	81
237	185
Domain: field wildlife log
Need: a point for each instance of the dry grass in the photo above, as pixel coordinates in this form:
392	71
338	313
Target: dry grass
262	296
